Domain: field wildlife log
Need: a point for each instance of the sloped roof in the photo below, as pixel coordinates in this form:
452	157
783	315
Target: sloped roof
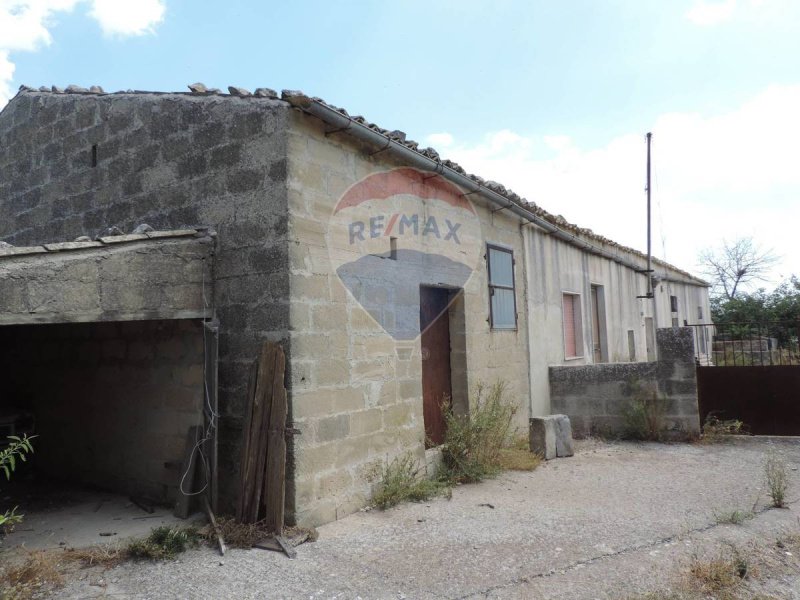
297	99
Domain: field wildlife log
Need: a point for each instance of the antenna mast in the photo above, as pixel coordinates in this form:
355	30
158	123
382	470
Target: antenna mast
649	270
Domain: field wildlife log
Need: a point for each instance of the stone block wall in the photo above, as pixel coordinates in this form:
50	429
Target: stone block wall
113	401
119	281
356	393
596	396
76	164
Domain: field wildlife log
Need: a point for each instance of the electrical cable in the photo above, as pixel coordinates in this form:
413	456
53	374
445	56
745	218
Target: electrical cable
212	417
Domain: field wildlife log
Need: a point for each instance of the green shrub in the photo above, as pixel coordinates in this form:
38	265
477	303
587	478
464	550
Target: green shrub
164	542
401	481
473	442
733	517
644	414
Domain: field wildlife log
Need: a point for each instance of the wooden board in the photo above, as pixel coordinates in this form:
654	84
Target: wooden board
275	474
263	464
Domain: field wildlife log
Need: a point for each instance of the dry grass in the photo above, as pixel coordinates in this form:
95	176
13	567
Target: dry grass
236	535
245	535
776	475
518	457
103	556
40	572
715	430
721	578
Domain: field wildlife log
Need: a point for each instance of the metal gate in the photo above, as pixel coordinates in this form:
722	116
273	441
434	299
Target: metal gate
750	372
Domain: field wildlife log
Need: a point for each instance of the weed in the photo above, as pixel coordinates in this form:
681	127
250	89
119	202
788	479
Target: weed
715	430
17	448
777	479
518	456
719	576
106	556
400	481
246	535
733	517
39	573
164	542
644	414
474	442
789	542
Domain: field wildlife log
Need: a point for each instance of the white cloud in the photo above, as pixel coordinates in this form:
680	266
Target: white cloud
707	13
442	140
25	25
711	13
133	17
716	176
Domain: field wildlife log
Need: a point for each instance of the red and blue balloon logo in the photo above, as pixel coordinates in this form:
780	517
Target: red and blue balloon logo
395	231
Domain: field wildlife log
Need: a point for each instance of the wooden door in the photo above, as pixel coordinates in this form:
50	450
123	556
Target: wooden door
434	324
596	348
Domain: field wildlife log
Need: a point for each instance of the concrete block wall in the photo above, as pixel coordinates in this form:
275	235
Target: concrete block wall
168	160
356	393
596	396
113	401
144	279
555	267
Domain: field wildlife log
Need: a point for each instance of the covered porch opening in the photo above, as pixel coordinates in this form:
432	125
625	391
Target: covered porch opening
108	355
114	407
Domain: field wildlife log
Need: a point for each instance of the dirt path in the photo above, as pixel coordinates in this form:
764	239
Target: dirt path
615	521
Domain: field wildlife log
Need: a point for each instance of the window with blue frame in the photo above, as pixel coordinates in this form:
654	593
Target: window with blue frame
502	297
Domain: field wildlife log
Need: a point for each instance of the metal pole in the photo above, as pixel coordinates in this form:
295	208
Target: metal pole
649	137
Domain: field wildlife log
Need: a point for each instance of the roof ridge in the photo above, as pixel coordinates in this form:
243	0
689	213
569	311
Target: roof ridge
299	99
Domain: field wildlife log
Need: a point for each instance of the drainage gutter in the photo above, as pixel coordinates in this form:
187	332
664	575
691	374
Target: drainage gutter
344	124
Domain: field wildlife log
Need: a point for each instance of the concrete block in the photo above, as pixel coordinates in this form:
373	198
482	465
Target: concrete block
563	436
542	434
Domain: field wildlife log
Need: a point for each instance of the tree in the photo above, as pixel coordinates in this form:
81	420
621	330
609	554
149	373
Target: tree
736	264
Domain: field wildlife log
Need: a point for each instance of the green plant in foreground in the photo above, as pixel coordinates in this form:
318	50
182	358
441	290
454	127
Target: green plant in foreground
644	414
164	542
733	517
474	442
17	448
714	430
777	479
401	480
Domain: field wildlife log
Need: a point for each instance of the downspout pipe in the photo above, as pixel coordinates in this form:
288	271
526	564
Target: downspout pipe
344	124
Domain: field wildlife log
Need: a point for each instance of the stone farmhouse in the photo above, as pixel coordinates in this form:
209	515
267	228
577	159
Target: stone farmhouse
391	277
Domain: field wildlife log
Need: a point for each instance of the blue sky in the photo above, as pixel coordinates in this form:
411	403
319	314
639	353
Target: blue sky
550	98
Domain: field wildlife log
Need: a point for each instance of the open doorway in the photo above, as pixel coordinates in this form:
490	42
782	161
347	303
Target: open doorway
112	406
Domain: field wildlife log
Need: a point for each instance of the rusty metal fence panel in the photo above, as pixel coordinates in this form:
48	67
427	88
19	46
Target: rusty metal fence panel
747	344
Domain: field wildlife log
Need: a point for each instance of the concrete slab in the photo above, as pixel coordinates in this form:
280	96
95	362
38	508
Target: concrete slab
77	518
615	521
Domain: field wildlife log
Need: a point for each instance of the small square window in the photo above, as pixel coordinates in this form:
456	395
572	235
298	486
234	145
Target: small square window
502	297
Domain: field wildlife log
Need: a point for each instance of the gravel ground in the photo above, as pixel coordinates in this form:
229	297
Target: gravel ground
614	521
